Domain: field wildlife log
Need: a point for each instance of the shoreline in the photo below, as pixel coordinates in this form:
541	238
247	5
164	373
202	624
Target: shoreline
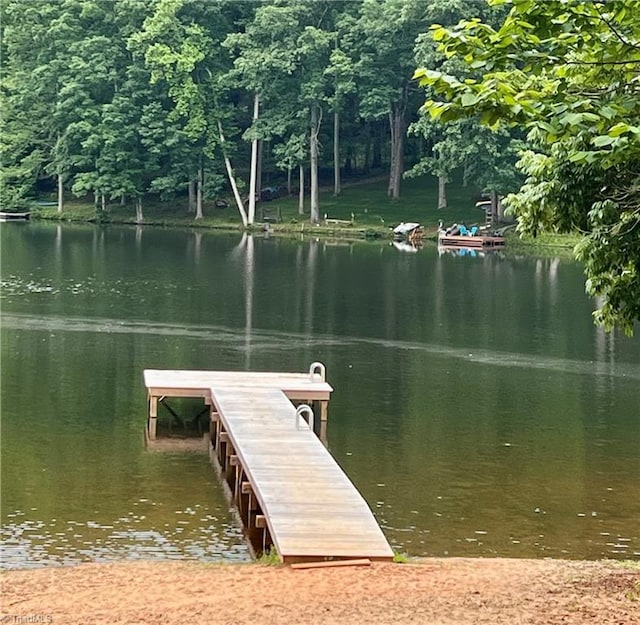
439	591
544	245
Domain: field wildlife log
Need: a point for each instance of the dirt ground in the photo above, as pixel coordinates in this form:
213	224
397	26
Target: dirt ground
455	591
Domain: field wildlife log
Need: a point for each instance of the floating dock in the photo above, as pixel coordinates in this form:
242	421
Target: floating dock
9	216
476	241
289	491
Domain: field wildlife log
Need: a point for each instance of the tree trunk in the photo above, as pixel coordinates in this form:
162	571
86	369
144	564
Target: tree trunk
199	193
336	153
392	163
366	162
254	165
495	208
192	197
348	162
104	202
139	217
232	180
96	198
376	161
60	193
289	181
301	191
259	169
397	126
313	144
123	200
442	192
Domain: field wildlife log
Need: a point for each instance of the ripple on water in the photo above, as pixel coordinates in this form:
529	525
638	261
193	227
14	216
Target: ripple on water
27	543
276	340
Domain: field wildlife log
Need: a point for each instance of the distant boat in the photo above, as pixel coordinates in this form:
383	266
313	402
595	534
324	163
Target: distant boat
9	216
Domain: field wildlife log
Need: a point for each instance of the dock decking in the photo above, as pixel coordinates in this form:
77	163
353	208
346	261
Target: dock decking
306	387
289	491
476	241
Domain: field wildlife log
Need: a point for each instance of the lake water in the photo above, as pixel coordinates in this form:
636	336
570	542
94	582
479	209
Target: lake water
476	407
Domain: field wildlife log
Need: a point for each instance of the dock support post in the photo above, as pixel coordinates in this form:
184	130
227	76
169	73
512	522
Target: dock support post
214	420
324	411
324	418
153	417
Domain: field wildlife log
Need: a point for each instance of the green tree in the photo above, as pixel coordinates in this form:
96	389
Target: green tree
340	74
281	60
181	45
265	60
34	51
567	72
486	158
382	48
68	83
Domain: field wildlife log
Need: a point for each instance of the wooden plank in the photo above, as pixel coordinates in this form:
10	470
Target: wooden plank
330	564
230	379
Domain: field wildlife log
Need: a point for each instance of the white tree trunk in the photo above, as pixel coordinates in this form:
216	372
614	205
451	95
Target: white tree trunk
254	165
259	169
232	180
442	192
313	142
139	216
60	193
199	193
289	180
336	153
301	192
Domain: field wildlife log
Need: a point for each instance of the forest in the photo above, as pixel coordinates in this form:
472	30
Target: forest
125	100
207	98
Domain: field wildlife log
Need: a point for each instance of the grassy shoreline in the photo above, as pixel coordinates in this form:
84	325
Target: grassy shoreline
362	211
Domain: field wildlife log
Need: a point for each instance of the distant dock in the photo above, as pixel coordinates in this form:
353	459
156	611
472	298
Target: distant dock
288	490
10	216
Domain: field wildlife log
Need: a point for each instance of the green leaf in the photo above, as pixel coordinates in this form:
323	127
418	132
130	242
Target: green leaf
571	119
619	129
469	99
603	141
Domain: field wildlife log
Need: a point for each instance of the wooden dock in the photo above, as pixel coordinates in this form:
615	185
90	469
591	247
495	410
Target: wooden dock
310	388
288	490
476	241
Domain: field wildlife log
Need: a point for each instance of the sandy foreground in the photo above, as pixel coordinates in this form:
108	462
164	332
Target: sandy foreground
453	591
